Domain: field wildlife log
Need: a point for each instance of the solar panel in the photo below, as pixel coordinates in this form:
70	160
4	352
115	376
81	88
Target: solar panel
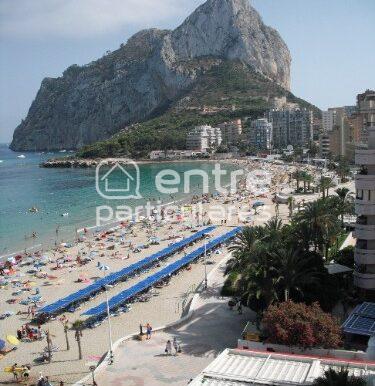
362	320
367	309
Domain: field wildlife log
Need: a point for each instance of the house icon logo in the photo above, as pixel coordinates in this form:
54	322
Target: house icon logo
121	181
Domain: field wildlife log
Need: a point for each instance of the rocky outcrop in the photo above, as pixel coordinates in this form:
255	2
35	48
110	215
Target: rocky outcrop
92	102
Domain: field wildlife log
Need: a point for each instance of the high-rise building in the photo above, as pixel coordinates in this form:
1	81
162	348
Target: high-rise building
365	106
202	138
231	131
260	134
325	144
328	119
364	275
340	126
291	127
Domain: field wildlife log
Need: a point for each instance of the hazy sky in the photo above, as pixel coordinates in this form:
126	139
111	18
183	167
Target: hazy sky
332	43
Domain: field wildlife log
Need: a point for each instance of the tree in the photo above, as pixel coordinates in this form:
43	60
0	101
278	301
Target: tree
343	169
325	184
322	221
297	324
293	270
345	257
345	204
77	326
339	378
65	324
297	175
244	247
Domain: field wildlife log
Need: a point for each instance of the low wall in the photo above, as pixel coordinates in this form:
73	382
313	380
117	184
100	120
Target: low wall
343	354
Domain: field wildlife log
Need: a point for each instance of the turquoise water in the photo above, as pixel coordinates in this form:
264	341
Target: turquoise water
25	185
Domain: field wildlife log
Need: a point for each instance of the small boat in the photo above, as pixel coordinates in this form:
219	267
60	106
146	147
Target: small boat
34	209
65	215
63	151
21	156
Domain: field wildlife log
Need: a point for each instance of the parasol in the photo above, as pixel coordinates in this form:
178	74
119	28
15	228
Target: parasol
2	344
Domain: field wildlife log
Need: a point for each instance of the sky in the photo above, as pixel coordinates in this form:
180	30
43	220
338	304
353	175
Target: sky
331	42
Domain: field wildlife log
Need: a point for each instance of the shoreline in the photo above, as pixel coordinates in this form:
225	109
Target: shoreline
81	163
116	249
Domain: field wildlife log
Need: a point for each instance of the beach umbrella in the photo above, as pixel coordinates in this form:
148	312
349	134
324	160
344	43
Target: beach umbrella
2	344
12	340
258	204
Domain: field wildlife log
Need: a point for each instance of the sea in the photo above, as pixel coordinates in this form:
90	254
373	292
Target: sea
67	199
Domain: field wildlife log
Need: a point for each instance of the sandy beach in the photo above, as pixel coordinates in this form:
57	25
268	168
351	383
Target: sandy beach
115	249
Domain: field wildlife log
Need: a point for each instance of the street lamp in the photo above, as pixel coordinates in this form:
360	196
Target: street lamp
105	268
205	264
92	369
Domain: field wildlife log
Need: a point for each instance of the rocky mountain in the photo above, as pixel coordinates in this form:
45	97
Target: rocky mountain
149	73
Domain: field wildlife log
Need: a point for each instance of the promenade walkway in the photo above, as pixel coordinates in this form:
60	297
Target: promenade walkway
212	328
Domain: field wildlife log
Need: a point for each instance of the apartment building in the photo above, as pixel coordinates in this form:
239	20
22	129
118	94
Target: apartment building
260	134
231	131
291	127
203	138
364	255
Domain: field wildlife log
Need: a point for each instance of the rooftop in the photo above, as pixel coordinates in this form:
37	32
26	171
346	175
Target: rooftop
246	367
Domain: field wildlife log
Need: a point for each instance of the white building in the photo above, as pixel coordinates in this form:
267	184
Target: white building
364	255
256	368
328	119
203	138
260	135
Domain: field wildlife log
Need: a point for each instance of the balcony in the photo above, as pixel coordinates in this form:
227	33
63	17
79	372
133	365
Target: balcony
365	181
363	207
365	156
364	256
364	280
366	232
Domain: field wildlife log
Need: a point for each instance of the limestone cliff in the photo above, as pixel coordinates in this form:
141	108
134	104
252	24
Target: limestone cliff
140	79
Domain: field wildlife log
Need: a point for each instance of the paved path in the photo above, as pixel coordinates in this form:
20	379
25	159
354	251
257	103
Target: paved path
212	328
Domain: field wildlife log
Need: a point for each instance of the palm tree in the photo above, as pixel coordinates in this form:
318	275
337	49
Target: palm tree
272	230
309	179
325	184
345	203
339	378
322	221
244	247
258	281
343	169
293	271
66	328
77	326
304	178
297	175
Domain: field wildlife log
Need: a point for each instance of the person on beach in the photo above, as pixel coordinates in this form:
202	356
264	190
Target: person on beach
168	348
239	307
148	331
14	371
175	345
